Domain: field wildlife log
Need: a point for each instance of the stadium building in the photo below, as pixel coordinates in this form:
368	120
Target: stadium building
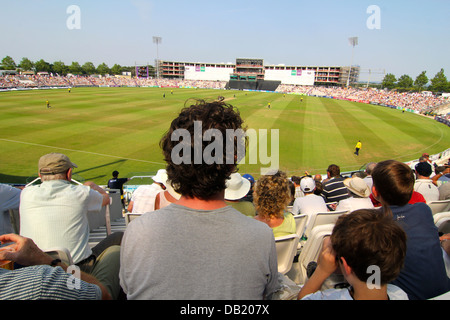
254	74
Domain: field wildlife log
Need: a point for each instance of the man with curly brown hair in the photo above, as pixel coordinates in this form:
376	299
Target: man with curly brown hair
199	247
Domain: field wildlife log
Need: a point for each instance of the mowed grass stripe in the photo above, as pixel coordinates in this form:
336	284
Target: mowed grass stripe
103	129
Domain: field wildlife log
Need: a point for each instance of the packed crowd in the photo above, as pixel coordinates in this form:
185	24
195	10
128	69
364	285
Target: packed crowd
414	101
206	232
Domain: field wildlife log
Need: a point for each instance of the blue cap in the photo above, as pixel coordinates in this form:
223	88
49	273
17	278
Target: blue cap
249	178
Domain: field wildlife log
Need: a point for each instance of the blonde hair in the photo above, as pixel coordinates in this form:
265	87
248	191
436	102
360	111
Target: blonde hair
272	195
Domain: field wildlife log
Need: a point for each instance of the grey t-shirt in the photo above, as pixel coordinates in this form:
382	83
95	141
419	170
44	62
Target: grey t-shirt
178	253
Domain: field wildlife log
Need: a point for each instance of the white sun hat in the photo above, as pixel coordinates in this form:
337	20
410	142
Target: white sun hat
358	186
237	187
161	176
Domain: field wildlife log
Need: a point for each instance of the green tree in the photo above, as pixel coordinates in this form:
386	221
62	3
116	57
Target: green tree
421	81
405	81
88	68
439	82
26	64
8	63
389	81
43	66
116	69
60	68
75	68
103	68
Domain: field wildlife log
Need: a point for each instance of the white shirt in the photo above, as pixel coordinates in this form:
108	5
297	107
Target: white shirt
352	204
426	188
9	199
310	204
144	198
394	293
54	214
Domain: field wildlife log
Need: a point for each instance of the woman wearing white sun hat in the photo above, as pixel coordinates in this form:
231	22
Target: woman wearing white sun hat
237	188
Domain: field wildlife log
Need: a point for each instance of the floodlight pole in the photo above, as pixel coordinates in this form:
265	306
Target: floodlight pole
353	42
157	40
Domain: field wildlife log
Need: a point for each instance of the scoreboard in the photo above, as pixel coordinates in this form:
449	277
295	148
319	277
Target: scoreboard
142	71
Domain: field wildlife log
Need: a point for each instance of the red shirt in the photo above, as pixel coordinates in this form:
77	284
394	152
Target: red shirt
415	197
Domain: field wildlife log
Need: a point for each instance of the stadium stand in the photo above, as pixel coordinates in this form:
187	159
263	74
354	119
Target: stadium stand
411	101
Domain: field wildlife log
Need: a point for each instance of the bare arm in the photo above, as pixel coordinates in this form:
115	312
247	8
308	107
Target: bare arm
97	188
326	265
25	252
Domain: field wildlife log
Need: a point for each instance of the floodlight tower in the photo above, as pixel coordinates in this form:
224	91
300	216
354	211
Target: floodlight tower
353	42
157	40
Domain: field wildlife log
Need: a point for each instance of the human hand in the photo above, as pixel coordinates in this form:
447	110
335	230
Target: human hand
327	258
23	251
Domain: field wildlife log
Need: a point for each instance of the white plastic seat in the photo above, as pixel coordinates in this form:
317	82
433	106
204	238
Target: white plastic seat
286	247
300	222
442	221
439	206
320	218
312	248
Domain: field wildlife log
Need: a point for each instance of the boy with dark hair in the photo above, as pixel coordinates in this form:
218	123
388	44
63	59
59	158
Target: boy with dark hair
424	275
199	247
369	248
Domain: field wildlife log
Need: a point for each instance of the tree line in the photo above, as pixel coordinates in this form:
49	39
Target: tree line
438	83
59	67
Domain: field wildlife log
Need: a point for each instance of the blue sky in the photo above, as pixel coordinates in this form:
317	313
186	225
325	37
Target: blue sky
413	35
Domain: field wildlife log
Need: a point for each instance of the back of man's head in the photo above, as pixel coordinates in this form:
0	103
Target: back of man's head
334	170
423	169
199	167
54	166
368	237
369	167
115	173
394	182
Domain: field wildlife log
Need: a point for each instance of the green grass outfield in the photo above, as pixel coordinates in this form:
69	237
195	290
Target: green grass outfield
106	129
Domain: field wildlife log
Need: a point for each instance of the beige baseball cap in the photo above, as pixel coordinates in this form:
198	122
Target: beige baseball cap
54	163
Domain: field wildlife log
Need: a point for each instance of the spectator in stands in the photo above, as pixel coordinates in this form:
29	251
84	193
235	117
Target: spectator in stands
60	209
426	158
271	198
360	240
219	252
166	197
368	171
237	188
423	275
442	175
424	185
143	198
9	200
298	190
249	195
311	203
444	191
334	189
45	278
359	194
117	183
319	186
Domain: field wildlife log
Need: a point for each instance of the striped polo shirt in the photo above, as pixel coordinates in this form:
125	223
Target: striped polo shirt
334	190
